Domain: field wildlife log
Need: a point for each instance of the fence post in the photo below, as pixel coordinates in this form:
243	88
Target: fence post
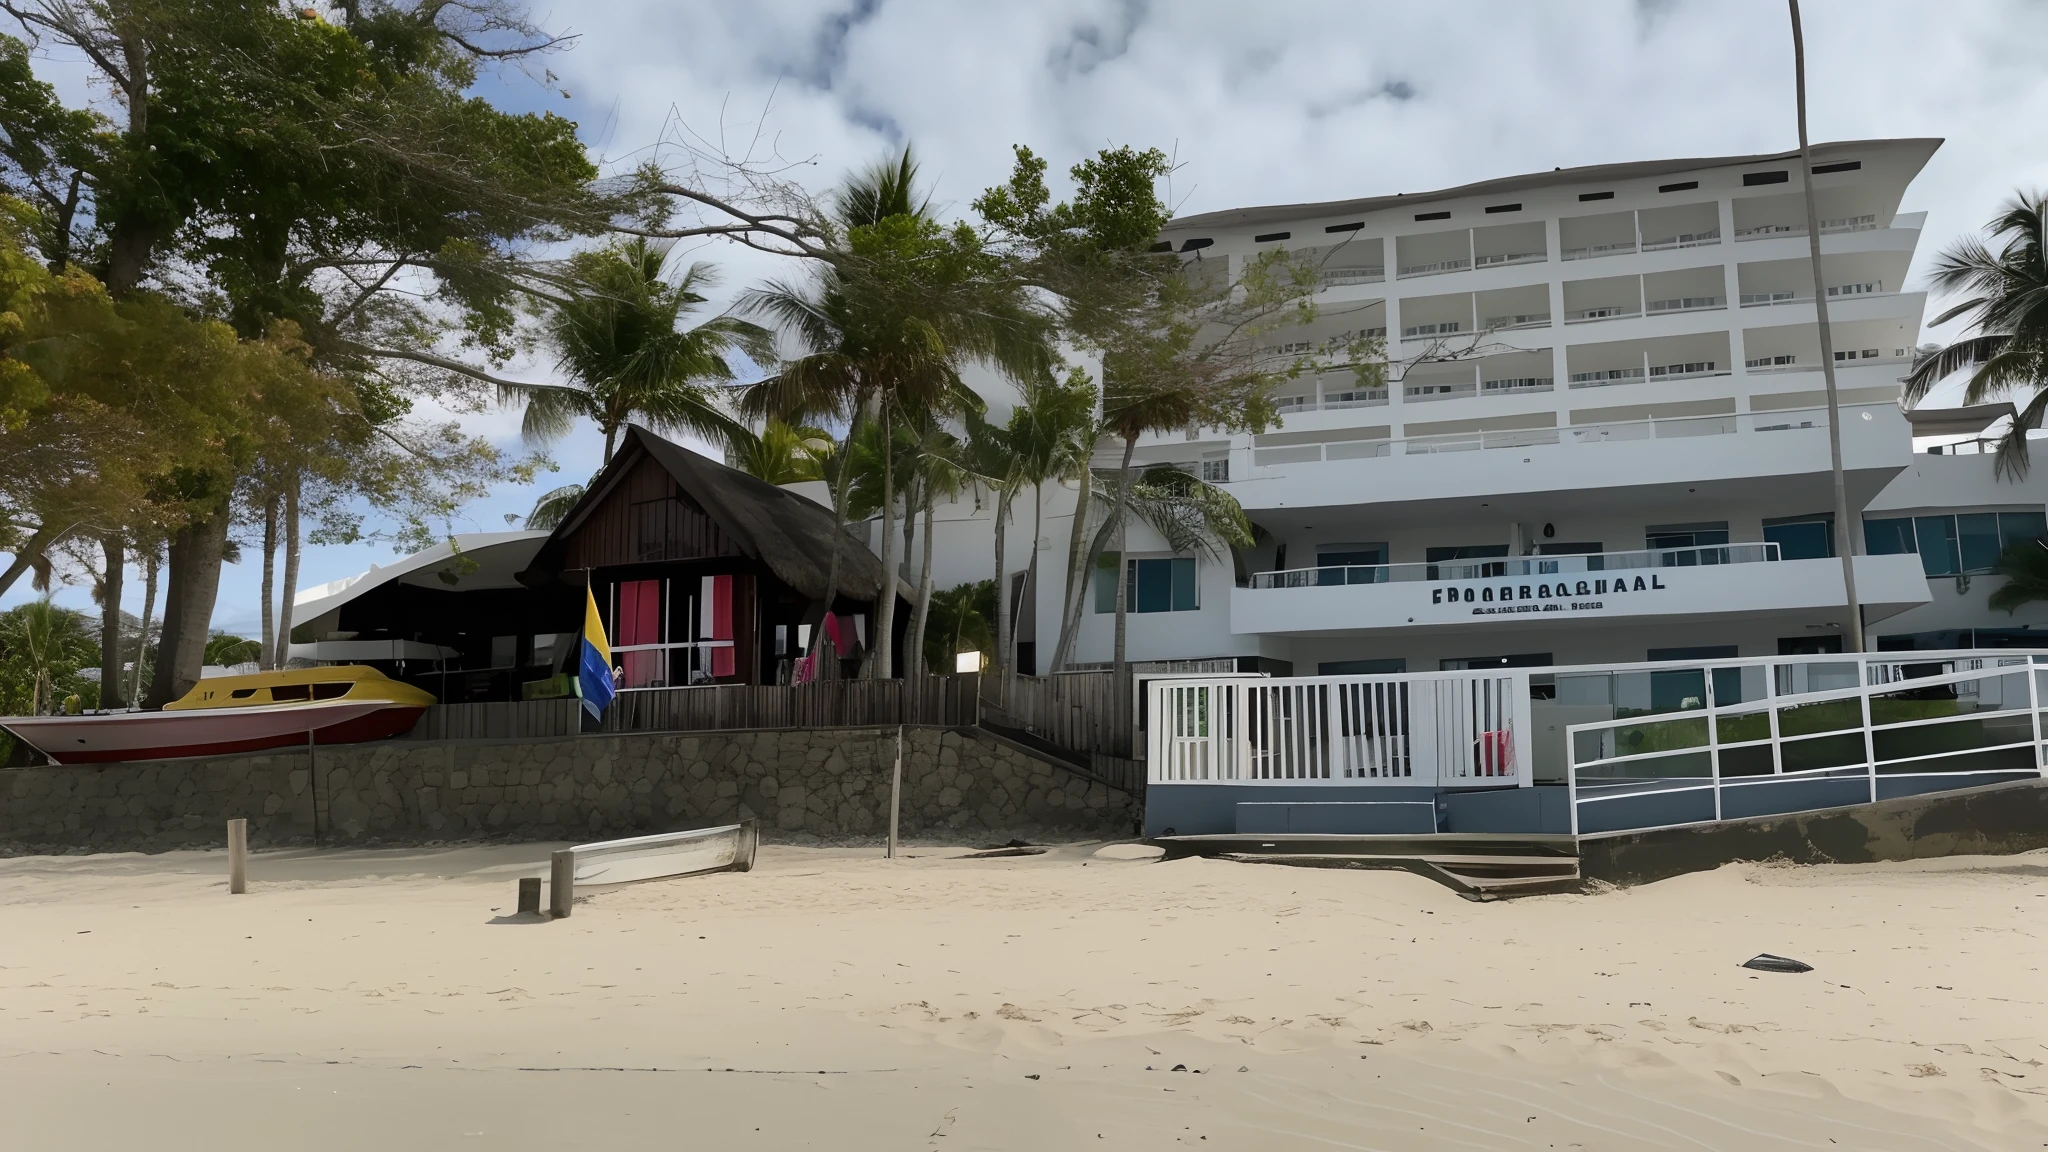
896	792
2034	710
1713	742
238	856
1869	738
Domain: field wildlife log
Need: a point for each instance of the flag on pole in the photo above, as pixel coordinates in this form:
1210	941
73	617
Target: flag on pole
594	662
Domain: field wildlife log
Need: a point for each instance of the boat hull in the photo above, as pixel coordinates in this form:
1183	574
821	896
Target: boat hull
170	735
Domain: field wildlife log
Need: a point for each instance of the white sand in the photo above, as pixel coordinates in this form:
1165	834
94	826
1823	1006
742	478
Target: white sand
834	1000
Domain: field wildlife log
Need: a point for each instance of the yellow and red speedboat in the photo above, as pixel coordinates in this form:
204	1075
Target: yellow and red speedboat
344	704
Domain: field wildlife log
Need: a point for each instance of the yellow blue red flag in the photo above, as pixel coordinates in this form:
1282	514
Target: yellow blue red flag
594	664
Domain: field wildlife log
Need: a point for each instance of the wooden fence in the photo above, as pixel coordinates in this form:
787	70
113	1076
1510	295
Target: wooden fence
1076	711
937	700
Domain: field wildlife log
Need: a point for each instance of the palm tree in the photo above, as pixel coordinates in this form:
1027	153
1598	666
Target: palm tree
785	453
960	621
1845	539
941	466
2007	355
45	643
884	326
620	338
550	508
1052	435
2025	568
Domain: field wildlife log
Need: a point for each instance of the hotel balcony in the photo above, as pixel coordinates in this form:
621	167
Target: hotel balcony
1692	583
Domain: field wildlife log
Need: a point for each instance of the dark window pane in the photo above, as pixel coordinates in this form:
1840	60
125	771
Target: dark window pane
1892	537
1105	583
1937	536
1977	535
1155	585
1805	541
1183	584
2014	527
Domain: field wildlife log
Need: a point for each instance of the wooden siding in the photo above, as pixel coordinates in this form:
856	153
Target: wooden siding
645	518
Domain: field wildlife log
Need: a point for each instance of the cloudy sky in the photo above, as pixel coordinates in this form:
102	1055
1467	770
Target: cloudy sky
1284	101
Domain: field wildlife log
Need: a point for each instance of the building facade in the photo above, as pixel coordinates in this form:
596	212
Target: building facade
1603	437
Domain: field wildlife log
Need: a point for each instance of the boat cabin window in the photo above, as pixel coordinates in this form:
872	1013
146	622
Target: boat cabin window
242	693
291	692
330	691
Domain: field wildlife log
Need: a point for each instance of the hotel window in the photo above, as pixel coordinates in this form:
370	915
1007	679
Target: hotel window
1351	564
1685	539
1151	584
1467	571
1963	544
1802	537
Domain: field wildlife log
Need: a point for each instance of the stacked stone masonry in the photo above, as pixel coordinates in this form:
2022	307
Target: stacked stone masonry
829	783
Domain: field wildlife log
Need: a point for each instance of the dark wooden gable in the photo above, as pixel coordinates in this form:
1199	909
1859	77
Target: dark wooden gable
645	517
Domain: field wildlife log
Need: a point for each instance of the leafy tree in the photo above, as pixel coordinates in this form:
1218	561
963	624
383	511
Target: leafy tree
42	647
785	453
2025	568
960	622
2007	303
621	339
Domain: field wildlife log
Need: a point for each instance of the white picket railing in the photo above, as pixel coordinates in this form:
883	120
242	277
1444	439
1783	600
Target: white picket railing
1443	729
1795	723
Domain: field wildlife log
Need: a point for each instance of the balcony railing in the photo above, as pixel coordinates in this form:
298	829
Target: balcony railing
1520	320
1686	304
1592	250
1519	384
1430	331
1451	390
1867	288
1511	566
1755	299
1437	267
1604	377
1360	274
1499	259
1672	428
1684	240
1603	312
1863	223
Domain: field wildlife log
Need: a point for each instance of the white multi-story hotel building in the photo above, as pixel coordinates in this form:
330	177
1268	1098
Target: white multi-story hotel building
1628	461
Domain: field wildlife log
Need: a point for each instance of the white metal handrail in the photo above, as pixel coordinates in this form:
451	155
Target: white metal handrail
1447	729
1609	775
1505	566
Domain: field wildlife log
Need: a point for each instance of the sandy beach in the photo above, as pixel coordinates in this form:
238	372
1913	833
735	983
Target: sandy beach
832	999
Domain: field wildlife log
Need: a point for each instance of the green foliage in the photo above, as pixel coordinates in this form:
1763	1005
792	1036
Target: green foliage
786	454
621	340
226	650
962	620
2006	300
42	648
2025	567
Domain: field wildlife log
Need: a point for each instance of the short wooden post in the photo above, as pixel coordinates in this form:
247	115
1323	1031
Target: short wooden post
529	895
238	856
896	792
561	883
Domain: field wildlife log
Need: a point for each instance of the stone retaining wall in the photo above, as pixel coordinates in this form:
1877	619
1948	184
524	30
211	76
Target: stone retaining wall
957	783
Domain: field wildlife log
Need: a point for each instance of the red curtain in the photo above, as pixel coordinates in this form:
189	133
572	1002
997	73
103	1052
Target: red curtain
639	623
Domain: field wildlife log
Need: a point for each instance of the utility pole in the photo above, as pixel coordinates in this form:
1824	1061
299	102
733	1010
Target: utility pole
1844	538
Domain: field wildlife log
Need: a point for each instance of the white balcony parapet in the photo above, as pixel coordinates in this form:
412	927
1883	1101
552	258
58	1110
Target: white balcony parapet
1515	566
1593	250
1425	331
1686	304
1510	258
1437	267
1604	312
1684	240
1362	274
1520	320
1604	377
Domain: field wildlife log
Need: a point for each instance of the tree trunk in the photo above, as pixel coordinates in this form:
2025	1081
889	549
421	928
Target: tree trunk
1120	667
884	649
1077	578
1030	590
916	656
195	559
150	569
267	639
110	620
610	433
282	646
1000	658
